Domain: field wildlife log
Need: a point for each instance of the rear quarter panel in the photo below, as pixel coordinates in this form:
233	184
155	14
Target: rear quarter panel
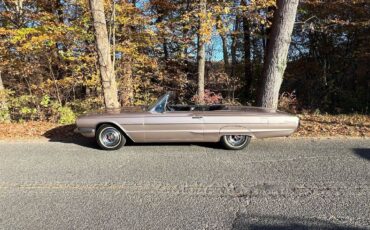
254	124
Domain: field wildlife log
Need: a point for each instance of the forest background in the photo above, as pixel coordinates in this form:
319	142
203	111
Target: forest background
49	67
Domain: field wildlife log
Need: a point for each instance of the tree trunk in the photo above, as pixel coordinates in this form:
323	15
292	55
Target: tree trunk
103	48
201	54
234	61
265	39
19	6
185	46
1	83
164	43
59	10
267	30
225	53
234	43
19	12
165	49
278	46
248	74
220	28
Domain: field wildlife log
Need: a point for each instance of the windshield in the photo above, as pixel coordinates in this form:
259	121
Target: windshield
160	105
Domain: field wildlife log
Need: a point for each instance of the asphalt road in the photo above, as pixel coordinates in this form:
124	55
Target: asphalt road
276	183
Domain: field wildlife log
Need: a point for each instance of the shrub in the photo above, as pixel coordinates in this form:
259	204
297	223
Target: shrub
4	110
45	101
66	115
43	108
4	115
209	97
288	102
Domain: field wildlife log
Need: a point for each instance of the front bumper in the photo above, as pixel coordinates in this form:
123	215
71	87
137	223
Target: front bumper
86	132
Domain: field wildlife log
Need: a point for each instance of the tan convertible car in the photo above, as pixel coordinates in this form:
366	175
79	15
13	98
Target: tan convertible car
165	121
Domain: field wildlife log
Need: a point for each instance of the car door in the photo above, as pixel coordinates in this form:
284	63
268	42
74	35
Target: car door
174	126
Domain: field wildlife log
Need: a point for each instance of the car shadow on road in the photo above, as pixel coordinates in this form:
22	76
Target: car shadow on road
362	152
256	222
66	134
205	145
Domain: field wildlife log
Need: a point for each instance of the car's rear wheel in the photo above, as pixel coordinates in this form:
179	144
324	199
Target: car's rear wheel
235	142
109	137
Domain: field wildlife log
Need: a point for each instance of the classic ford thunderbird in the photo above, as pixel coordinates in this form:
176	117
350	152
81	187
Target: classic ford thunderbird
164	121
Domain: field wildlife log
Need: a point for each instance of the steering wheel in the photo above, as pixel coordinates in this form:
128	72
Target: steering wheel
169	108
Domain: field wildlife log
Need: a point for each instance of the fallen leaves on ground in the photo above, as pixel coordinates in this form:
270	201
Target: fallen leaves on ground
333	125
310	126
35	129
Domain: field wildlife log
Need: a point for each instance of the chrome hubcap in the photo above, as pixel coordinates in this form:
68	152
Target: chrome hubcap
236	140
110	137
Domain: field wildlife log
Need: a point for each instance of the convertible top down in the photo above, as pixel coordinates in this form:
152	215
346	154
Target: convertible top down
164	121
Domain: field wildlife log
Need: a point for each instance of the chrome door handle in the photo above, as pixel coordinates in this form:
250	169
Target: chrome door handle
197	117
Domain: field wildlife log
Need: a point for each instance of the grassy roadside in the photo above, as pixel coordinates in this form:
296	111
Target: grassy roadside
311	126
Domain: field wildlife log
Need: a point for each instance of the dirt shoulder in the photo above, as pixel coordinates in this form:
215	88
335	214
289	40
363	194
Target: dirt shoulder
334	126
315	126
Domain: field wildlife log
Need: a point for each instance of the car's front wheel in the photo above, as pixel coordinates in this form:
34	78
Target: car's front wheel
235	142
109	137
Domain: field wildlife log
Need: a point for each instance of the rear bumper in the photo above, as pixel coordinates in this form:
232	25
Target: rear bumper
87	132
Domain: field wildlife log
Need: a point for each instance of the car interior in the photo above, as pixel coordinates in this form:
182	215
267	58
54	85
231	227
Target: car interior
168	103
196	107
